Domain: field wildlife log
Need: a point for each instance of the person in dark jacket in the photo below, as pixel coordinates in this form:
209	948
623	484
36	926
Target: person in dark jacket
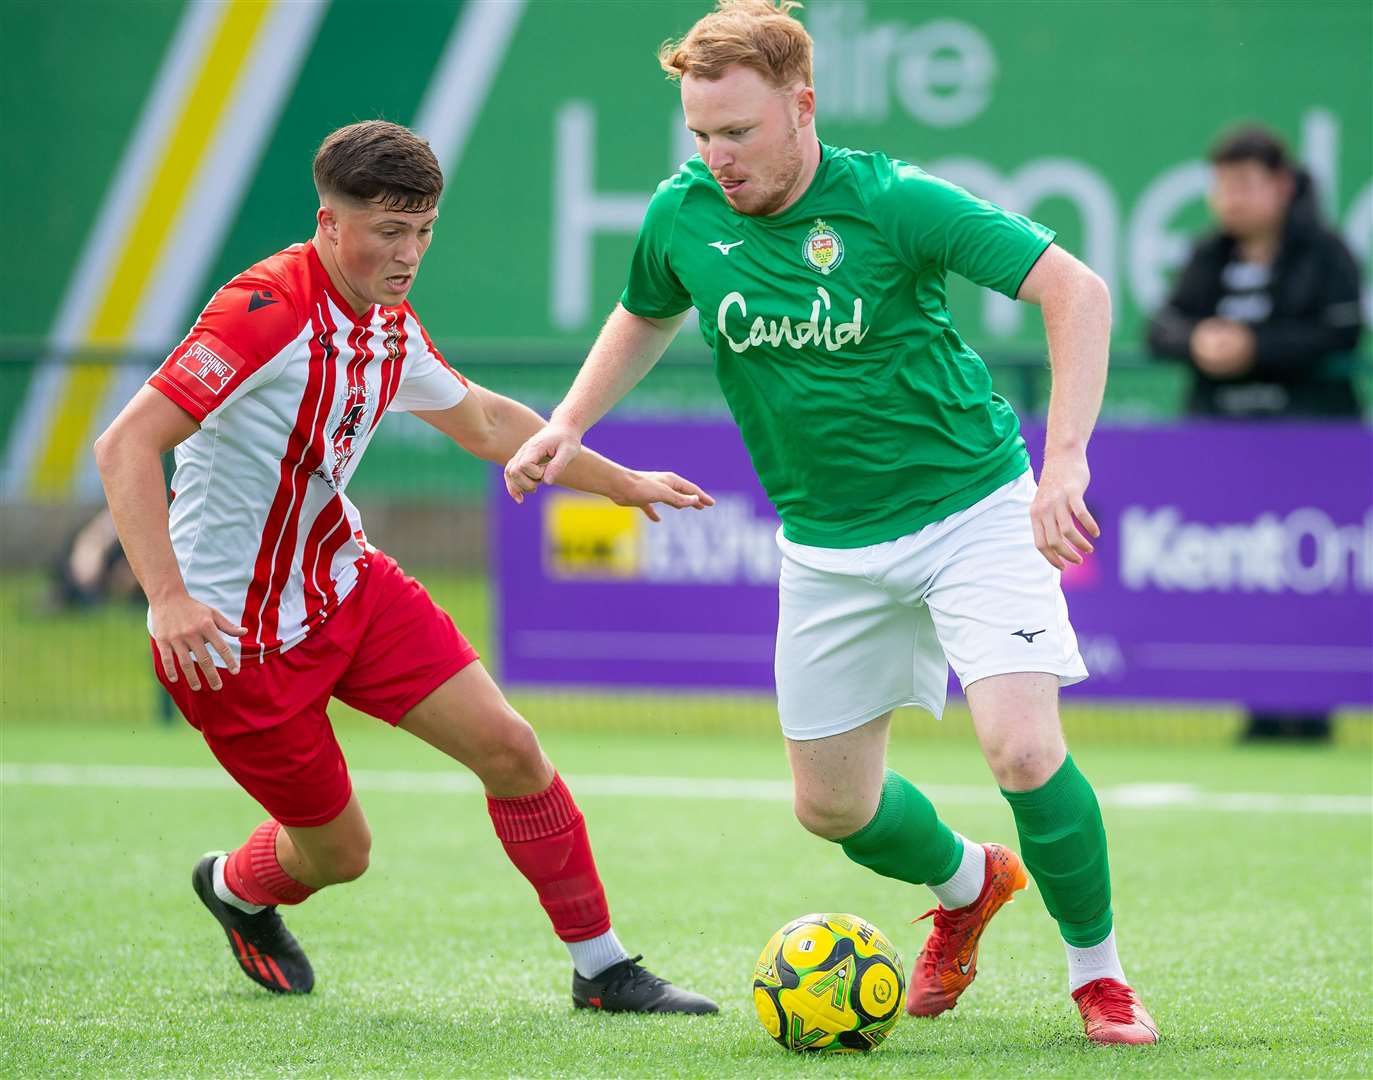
1266	311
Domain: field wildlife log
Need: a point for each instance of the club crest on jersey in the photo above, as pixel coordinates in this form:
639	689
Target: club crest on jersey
391	341
822	249
347	424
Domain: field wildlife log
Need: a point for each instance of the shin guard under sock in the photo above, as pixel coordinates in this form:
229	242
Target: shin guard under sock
545	837
1063	843
905	839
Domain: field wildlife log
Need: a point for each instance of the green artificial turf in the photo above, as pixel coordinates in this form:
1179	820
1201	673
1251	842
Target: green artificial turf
1248	933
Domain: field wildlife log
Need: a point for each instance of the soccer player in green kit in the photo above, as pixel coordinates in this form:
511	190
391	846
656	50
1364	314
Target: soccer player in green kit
913	534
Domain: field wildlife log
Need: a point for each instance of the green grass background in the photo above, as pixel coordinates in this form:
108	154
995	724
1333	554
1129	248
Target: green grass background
1250	935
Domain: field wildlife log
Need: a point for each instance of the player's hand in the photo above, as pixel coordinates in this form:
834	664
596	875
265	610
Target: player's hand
185	630
1059	513
643	489
541	459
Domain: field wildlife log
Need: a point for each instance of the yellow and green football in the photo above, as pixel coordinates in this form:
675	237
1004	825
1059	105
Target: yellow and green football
829	983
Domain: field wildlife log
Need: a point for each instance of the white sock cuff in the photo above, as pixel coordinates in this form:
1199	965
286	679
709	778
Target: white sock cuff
593	956
227	894
1098	961
966	884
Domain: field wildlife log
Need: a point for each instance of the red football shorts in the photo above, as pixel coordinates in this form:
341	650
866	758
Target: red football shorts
386	648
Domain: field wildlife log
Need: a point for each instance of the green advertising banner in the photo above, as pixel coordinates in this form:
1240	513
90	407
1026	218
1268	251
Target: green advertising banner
167	146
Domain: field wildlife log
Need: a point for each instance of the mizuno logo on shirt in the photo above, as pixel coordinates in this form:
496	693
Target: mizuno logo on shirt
725	249
1028	635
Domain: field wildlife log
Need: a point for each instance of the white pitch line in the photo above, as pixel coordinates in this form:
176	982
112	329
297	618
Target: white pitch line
1150	796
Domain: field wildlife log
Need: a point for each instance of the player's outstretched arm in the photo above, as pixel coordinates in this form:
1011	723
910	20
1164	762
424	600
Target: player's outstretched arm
626	348
129	456
493	427
1077	321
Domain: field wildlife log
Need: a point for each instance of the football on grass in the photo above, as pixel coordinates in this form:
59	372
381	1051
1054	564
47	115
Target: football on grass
829	983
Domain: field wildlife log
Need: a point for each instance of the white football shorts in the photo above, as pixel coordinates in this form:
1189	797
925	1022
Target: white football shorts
865	630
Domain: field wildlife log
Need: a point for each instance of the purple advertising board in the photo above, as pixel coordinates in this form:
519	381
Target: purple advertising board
1236	564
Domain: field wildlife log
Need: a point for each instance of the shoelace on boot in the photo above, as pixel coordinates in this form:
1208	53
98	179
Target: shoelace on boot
1111	1001
946	922
631	975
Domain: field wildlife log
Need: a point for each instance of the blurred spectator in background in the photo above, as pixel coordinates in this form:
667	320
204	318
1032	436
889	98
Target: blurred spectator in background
91	568
1266	312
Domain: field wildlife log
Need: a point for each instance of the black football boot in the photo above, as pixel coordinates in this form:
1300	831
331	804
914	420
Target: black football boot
627	986
263	947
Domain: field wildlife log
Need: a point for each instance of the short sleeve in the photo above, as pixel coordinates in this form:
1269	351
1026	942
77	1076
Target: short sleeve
243	328
427	383
932	222
653	290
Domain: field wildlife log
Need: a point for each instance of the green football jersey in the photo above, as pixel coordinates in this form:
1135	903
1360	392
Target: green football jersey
865	414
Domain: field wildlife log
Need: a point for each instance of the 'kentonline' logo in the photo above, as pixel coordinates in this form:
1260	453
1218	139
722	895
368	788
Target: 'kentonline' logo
1305	551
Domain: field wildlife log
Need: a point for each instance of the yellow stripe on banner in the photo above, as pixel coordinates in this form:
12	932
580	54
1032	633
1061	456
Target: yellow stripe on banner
87	384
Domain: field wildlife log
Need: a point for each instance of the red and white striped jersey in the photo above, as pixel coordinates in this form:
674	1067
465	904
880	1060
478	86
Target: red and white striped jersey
288	387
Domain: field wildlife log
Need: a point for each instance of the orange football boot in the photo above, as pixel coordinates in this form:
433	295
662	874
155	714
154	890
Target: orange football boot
1112	1013
947	964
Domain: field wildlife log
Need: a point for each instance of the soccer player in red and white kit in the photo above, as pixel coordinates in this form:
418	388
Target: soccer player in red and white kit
266	599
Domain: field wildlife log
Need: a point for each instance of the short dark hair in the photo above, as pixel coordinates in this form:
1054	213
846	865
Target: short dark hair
1252	142
377	159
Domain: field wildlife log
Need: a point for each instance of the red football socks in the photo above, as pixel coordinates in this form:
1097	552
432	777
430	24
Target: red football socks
545	837
254	874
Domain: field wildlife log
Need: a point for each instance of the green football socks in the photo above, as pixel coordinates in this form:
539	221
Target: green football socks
905	839
1063	843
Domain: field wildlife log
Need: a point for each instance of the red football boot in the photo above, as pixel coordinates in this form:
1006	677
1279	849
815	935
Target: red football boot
1112	1013
947	964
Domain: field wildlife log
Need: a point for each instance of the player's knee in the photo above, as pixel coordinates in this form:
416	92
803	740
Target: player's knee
512	757
831	818
346	861
1022	765
350	863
